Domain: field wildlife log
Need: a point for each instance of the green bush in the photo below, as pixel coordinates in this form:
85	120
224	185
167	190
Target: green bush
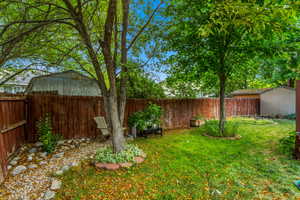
211	127
148	117
106	155
290	116
46	137
287	144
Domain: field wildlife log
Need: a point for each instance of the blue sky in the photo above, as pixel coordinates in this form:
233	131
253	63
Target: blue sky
149	6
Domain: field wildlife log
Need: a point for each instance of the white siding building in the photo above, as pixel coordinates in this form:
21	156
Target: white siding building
278	101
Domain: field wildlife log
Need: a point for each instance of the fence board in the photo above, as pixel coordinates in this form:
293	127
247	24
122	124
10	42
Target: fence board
12	131
73	116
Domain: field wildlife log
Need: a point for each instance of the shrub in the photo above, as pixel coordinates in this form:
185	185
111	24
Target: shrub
138	120
211	127
106	155
290	116
46	137
153	113
147	118
287	143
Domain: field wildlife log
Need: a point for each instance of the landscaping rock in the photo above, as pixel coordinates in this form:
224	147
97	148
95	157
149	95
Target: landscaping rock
29	158
55	185
17	158
49	195
43	163
65	168
112	166
126	165
32	166
74	164
33	150
108	166
34	182
59	155
18	170
100	165
38	144
44	154
13	162
60	142
59	172
139	159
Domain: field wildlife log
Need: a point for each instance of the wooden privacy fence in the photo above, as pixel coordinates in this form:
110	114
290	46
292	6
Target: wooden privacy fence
12	129
72	116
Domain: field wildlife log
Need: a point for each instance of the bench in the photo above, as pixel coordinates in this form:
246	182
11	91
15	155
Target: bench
101	124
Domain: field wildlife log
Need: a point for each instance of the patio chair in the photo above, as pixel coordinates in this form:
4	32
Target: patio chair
101	124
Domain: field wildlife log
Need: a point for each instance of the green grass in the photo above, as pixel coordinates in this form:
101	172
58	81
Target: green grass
187	165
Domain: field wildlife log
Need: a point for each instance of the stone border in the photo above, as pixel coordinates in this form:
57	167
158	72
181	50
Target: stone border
115	166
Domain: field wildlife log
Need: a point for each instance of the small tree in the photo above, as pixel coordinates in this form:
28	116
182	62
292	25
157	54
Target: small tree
99	31
216	37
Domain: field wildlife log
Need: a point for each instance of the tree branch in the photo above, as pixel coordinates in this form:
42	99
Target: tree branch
144	26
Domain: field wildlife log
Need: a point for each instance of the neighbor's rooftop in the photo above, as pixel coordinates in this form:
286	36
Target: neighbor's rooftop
250	91
256	91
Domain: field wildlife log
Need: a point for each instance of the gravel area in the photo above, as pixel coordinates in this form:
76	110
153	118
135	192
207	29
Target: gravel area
33	183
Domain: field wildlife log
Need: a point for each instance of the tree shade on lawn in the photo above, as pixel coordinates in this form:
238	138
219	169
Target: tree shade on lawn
186	165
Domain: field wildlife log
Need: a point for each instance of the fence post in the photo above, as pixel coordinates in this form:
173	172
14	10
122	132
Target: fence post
297	142
3	160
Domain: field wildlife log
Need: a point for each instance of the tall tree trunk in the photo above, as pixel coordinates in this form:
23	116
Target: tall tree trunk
116	129
124	52
222	117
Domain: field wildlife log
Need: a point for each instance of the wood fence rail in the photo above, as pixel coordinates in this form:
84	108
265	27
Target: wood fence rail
12	129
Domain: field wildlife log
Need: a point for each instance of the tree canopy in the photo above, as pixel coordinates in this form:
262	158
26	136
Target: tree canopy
215	41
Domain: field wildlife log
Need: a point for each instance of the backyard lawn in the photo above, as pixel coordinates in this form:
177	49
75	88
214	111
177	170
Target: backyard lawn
186	165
